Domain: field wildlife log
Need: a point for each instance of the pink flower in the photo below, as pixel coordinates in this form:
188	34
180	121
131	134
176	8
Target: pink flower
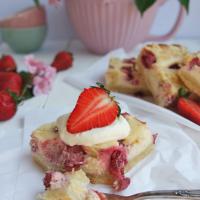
41	86
50	73
34	66
43	75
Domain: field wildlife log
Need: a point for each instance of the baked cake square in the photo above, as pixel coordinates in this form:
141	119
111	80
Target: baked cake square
95	137
124	76
160	64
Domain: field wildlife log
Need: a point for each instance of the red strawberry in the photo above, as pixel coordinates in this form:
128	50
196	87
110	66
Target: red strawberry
189	109
7	106
148	59
47	180
10	81
94	109
62	61
7	64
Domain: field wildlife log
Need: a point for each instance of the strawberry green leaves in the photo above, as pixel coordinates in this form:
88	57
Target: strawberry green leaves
143	5
182	92
37	3
185	3
27	91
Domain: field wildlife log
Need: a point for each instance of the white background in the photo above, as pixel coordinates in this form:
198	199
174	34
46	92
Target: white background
60	29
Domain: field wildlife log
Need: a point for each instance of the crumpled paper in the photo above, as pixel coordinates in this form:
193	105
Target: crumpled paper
174	164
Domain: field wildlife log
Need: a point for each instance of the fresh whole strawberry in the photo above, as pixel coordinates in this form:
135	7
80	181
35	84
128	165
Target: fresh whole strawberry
7	64
95	108
189	109
11	81
62	61
8	106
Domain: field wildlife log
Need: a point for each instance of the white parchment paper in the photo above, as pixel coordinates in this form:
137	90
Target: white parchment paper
174	164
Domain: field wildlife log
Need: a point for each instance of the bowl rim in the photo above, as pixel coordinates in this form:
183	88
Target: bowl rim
21	29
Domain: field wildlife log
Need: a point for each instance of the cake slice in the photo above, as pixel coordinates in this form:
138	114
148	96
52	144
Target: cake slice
49	151
160	64
68	186
190	73
124	76
79	140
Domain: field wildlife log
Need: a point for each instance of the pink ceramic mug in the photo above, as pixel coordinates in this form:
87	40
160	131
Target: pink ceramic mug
104	25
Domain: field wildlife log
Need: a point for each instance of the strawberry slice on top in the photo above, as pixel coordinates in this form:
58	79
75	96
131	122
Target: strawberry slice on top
95	108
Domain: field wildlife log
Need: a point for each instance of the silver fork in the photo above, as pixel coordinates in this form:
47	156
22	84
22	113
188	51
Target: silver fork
160	194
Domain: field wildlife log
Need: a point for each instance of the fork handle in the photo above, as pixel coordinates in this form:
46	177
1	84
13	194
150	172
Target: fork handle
179	194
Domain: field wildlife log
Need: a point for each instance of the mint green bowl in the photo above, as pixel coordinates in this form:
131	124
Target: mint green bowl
24	40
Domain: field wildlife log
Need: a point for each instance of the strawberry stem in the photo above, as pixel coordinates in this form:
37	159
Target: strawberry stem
100	85
15	97
119	110
182	92
37	3
27	90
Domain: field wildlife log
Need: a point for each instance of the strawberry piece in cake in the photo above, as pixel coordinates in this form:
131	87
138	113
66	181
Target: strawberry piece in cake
124	76
54	152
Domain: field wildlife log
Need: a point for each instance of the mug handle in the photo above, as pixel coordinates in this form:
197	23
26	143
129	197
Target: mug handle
173	30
